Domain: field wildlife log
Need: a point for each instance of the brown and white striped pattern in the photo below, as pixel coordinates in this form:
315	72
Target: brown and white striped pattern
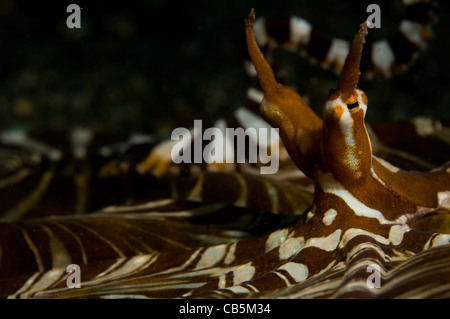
190	249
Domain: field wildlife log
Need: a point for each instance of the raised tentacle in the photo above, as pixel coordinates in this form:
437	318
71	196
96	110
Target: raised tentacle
300	128
350	72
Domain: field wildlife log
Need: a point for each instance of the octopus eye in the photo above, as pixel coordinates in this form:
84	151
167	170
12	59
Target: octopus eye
351	106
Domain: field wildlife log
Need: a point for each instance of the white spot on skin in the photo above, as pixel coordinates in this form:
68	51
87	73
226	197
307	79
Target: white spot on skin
255	95
297	271
291	247
250	70
243	273
425	126
441	239
415	32
328	243
396	234
382	56
229	258
80	138
276	239
329	216
211	256
444	199
311	213
338	52
300	30
260	32
222	282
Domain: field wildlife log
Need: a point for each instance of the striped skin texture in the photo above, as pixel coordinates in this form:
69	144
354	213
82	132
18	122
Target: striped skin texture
380	58
325	253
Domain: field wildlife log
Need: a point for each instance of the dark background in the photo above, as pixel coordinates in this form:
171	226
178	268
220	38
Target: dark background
151	66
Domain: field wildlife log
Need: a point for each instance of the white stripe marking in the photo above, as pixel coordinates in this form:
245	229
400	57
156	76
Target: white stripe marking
211	256
300	30
243	273
255	95
297	271
328	243
444	199
260	32
396	235
229	258
291	247
329	216
331	186
382	56
415	32
276	239
338	52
